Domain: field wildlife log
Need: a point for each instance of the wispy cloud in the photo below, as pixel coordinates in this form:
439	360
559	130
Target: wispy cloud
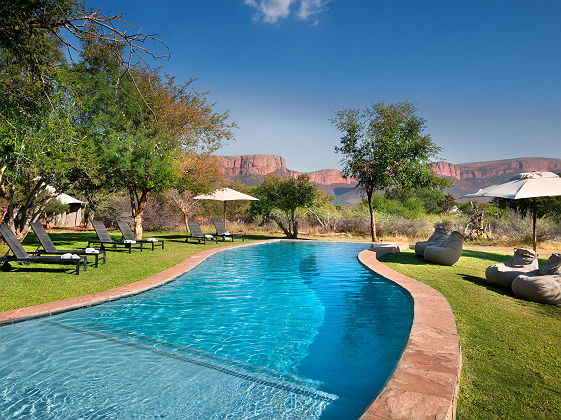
271	11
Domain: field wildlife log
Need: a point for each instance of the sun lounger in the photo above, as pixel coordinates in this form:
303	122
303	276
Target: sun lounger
20	256
105	239
502	275
222	233
197	233
49	248
448	253
129	236
437	238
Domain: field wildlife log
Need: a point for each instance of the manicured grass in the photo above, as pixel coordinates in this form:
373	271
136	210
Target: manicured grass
511	348
40	283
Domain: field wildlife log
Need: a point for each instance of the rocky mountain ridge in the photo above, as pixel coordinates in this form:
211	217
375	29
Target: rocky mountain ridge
468	177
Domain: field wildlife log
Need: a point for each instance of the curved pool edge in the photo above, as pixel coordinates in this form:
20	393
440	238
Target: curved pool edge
425	382
158	279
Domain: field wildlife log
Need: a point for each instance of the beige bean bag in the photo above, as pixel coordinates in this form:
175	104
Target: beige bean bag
437	238
448	253
543	285
502	275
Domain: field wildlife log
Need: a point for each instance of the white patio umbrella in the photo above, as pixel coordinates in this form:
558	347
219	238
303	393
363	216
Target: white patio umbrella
524	185
225	194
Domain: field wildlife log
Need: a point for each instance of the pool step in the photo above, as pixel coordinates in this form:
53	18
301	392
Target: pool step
267	377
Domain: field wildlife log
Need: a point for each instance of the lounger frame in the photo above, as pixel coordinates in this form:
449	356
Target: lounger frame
48	247
21	256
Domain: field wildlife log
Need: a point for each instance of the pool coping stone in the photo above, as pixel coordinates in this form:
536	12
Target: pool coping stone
425	382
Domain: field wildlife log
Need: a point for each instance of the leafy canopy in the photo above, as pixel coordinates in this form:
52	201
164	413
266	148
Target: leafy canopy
385	147
279	198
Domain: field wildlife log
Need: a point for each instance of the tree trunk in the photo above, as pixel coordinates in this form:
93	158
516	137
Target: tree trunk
281	225
186	221
138	204
372	222
294	224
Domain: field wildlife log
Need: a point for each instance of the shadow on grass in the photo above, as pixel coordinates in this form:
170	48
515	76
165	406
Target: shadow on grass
482	282
486	255
408	258
17	268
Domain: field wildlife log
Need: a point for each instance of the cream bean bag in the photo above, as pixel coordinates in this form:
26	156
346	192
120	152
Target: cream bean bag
502	275
448	253
437	238
543	285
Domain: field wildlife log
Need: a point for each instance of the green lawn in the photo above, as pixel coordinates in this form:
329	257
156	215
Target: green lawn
38	283
511	348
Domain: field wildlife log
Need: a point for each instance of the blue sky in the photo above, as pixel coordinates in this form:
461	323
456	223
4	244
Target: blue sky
485	74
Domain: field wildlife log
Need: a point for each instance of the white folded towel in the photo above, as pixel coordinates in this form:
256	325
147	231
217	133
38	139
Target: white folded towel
209	236
152	240
91	251
129	241
69	256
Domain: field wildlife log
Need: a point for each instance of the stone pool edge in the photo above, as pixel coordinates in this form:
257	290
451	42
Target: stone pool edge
77	302
425	382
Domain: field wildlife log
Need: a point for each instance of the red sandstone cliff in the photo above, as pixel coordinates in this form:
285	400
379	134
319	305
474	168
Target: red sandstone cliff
247	165
251	169
496	168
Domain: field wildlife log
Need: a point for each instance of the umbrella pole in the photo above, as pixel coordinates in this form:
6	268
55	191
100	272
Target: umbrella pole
224	213
534	214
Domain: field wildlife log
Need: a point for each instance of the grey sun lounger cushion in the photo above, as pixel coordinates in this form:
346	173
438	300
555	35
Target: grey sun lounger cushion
50	248
502	275
543	285
21	256
437	238
222	233
197	234
448	253
105	239
129	236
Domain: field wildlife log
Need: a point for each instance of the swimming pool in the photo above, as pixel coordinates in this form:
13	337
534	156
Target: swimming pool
279	330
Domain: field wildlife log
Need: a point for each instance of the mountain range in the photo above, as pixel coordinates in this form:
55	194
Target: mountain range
467	177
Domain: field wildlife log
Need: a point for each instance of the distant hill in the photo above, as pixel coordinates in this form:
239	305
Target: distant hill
468	177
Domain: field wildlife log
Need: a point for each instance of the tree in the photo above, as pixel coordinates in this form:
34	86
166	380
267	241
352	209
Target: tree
279	198
146	132
28	29
43	140
195	174
40	142
385	147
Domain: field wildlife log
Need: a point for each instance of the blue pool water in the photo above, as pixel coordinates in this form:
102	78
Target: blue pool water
278	330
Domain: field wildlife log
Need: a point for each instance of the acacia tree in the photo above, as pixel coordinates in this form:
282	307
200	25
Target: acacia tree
279	198
385	147
40	143
43	140
148	131
195	174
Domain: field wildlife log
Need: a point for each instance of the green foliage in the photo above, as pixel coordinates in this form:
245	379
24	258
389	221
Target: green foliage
279	198
384	147
53	208
433	201
412	208
545	206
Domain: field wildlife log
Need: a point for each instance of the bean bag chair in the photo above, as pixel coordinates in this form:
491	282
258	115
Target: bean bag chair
448	253
543	285
502	275
437	238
